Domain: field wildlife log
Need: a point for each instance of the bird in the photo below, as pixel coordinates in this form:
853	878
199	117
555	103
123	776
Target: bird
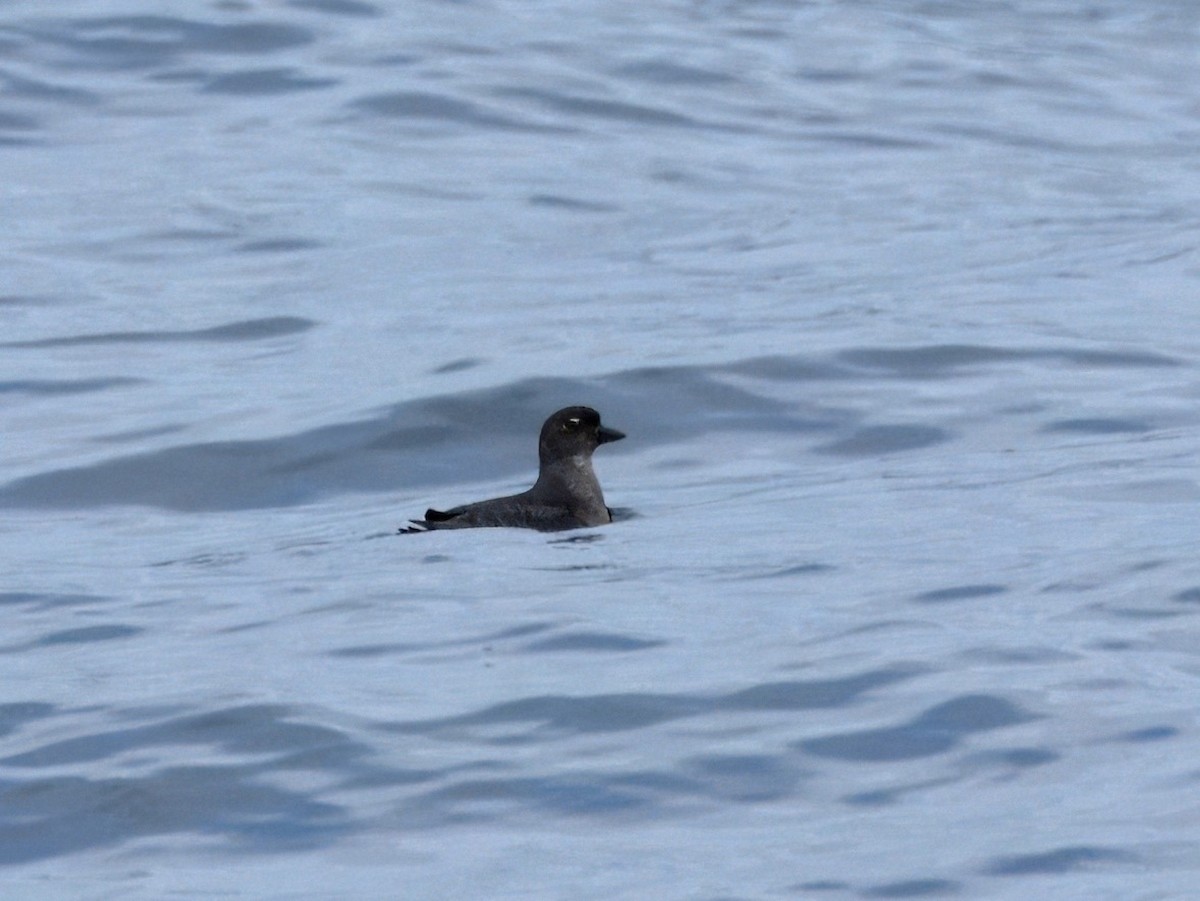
566	494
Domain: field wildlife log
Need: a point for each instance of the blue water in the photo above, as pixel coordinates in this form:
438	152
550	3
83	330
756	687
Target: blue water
896	303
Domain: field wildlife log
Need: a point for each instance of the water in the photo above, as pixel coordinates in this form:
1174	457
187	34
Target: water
896	303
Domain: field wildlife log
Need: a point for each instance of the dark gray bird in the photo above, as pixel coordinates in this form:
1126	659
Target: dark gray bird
566	494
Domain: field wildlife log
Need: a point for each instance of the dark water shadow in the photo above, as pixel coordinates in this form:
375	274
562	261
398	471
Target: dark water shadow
1187	596
876	440
251	729
50	806
1149	734
16	715
350	8
490	434
745	778
589	537
264	83
418	107
604	109
570	204
81	635
936	731
593	642
914	888
460	365
821	885
552	717
941	360
147	42
483	642
36	89
627	796
245	802
278	245
139	434
693	783
247	330
800	569
57	387
1070	859
999	765
50	815
1013	758
35	600
669	72
59	815
959	593
1098	425
19	130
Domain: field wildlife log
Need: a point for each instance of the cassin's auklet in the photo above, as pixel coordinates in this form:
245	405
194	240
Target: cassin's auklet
566	494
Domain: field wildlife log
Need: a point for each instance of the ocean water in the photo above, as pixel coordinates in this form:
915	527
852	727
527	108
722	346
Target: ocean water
896	302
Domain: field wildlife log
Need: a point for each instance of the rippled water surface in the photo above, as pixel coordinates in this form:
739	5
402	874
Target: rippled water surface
897	303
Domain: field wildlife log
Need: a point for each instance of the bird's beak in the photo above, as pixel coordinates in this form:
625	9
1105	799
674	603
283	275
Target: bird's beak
605	435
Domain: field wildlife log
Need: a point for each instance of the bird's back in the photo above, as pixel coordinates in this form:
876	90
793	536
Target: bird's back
527	510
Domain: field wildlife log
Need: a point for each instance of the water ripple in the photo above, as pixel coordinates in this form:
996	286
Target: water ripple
935	731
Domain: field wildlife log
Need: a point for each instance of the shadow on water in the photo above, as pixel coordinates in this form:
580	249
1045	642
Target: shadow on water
648	793
1069	859
959	593
249	330
62	796
908	888
938	360
550	717
886	439
81	635
680	785
351	8
119	784
263	82
1099	426
64	814
14	717
491	433
59	813
478	641
935	731
572	642
628	794
53	387
427	107
151	42
418	443
593	642
33	600
914	888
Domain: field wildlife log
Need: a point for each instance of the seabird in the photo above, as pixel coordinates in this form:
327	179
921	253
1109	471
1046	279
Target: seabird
566	494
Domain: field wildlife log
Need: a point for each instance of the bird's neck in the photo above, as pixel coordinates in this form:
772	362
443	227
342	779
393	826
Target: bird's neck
574	475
